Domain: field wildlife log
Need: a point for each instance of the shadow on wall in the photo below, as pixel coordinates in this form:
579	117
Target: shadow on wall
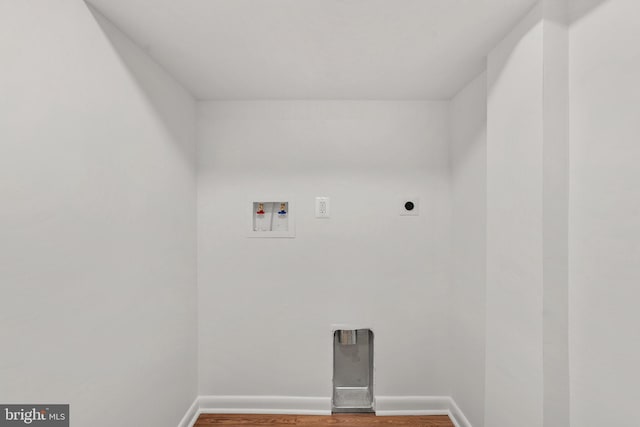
173	105
502	52
579	8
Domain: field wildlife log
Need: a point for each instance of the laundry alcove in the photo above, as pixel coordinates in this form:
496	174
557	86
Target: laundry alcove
196	197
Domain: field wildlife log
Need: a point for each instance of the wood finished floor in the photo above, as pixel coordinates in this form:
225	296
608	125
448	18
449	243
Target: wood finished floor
341	420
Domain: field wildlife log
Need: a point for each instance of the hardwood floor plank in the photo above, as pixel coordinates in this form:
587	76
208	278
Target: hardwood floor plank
341	420
245	420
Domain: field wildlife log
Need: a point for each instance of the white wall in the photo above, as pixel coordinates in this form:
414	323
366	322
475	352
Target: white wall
527	370
605	213
555	201
366	265
514	228
468	125
97	225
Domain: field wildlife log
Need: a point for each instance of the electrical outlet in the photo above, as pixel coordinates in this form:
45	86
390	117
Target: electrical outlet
409	206
322	207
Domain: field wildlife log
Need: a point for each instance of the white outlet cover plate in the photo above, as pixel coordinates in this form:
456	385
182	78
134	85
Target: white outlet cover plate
416	206
327	207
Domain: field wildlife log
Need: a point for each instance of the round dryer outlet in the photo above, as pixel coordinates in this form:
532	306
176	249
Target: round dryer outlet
409	206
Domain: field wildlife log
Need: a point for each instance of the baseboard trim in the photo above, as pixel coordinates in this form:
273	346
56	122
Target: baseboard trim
412	405
296	405
457	416
191	415
421	405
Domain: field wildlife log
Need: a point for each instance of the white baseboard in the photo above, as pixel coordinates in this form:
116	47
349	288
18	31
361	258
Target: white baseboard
412	405
457	416
385	406
191	415
265	405
421	405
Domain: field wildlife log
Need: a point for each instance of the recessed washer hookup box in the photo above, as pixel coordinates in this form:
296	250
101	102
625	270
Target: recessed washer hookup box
34	415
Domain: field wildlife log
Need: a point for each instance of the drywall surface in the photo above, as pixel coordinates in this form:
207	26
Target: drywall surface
366	265
514	359
605	214
97	226
555	200
468	125
527	209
